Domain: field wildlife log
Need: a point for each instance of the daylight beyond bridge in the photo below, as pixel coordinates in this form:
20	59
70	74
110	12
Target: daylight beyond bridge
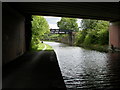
17	21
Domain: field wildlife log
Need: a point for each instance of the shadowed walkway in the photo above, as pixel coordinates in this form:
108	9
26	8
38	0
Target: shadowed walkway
33	70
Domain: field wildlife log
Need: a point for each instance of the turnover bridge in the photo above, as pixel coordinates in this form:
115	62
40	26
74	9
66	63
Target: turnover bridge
63	31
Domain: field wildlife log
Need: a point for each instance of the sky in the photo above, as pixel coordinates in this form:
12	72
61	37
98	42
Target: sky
52	21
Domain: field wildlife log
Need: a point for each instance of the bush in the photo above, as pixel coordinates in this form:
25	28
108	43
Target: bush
87	40
103	37
80	36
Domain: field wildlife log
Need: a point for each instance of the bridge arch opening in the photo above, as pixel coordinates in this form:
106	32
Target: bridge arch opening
86	10
17	28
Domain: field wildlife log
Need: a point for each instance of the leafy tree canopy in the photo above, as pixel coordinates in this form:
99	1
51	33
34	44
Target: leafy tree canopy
68	24
39	28
93	32
88	24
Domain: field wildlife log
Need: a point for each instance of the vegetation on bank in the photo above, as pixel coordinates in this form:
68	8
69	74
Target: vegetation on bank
41	46
40	27
48	47
97	47
93	34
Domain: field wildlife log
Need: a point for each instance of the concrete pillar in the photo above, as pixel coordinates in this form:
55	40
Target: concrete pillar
114	35
28	31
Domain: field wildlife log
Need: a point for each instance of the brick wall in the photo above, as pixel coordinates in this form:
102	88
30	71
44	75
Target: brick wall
114	37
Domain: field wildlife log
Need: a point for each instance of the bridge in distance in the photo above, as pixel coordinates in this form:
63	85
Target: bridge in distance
64	31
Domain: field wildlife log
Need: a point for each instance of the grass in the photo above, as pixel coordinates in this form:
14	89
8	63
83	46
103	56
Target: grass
41	46
49	40
97	47
48	47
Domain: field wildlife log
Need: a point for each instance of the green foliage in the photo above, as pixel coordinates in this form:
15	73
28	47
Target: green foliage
80	36
54	36
87	40
88	24
48	47
102	32
68	24
39	28
41	46
93	32
103	37
90	38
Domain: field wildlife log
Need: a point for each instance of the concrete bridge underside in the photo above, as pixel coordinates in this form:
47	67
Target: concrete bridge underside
21	71
17	26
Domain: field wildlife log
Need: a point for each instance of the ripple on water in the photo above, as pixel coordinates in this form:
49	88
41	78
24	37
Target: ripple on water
87	69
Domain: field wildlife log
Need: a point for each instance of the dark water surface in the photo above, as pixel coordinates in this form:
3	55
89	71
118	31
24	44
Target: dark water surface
87	69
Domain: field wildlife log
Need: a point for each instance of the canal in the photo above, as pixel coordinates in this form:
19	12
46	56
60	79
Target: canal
87	69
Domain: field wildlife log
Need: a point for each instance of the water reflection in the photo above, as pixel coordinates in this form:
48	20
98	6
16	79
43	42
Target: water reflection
87	69
114	69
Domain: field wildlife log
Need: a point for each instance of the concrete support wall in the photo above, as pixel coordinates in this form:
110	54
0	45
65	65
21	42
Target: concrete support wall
114	34
28	32
70	39
13	34
65	40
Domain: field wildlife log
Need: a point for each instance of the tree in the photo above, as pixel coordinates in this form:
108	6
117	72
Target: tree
93	32
68	24
80	36
102	32
39	28
90	38
88	24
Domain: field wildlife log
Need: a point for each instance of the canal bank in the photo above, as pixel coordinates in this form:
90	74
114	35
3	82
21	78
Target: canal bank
97	47
100	48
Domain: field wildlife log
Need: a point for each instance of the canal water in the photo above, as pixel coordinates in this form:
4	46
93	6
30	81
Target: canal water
87	69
